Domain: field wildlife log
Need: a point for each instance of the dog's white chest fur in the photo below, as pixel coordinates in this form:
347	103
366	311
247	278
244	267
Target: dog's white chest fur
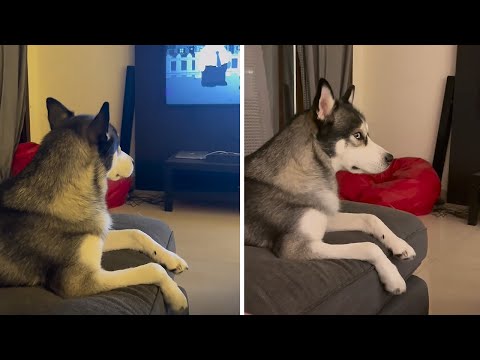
329	201
105	222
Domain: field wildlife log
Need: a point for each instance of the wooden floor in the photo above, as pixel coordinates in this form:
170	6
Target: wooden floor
208	238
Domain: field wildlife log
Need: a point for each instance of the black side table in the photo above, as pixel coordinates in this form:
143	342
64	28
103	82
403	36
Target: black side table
473	198
172	164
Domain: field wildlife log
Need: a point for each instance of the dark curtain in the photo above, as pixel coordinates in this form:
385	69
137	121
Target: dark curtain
312	62
332	62
13	101
286	84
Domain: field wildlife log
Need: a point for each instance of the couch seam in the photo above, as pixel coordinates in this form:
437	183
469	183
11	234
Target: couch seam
170	239
155	300
308	309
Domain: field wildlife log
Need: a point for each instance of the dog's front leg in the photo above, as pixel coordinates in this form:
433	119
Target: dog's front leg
371	224
308	243
137	240
144	274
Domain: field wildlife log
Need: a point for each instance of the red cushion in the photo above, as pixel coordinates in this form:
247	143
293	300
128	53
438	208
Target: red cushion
23	155
117	190
409	184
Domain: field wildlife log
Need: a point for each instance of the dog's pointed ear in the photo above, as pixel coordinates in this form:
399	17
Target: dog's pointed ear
324	100
349	94
98	128
57	112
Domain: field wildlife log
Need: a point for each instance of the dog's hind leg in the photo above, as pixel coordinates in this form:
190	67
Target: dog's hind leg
86	277
144	274
371	224
137	240
365	251
307	243
82	280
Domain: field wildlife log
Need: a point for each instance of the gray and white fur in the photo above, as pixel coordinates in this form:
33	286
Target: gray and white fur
54	223
291	196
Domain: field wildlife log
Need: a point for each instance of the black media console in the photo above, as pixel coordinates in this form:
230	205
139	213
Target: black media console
205	177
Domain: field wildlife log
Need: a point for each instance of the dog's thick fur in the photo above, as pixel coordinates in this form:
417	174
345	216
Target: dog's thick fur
291	196
54	223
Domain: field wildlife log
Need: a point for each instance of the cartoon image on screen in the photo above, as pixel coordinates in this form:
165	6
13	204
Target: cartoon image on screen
203	74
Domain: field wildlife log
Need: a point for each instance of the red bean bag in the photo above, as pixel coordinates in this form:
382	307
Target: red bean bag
23	155
409	184
117	190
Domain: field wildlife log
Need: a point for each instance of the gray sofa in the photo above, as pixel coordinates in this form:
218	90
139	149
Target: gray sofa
278	286
133	300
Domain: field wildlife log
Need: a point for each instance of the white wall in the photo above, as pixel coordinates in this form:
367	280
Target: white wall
82	77
400	90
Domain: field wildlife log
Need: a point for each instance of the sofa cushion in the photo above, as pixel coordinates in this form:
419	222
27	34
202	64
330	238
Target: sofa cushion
135	300
413	302
279	286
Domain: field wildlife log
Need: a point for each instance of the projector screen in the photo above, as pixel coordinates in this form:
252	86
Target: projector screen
202	74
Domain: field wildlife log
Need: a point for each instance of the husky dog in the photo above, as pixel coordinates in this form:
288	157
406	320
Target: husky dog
291	196
54	223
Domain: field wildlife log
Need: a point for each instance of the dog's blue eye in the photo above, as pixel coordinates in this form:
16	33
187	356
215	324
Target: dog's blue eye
357	135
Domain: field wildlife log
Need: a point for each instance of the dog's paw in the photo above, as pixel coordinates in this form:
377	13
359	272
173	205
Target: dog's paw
176	264
401	249
175	298
391	279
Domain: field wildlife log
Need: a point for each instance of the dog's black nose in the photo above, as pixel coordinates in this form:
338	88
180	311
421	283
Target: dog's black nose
388	158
